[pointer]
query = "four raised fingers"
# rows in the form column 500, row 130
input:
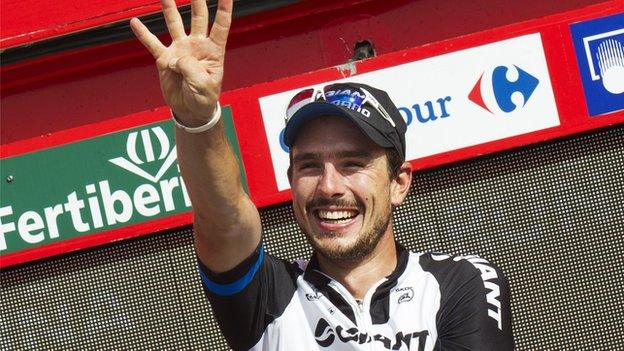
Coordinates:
column 199, row 25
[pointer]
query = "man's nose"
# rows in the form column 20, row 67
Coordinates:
column 331, row 183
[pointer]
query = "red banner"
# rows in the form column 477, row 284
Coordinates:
column 462, row 98
column 465, row 97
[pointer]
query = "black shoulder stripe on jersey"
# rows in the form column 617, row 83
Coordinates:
column 321, row 282
column 380, row 301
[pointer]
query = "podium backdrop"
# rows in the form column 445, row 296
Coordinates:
column 550, row 215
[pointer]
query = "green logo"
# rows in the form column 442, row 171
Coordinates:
column 95, row 185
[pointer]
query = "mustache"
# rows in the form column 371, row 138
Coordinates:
column 325, row 202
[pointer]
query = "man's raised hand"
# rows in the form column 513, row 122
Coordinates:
column 191, row 68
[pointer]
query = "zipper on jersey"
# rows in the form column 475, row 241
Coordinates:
column 361, row 308
column 360, row 304
column 363, row 317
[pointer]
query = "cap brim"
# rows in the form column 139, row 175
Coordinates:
column 322, row 108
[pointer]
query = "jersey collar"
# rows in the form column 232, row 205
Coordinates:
column 380, row 302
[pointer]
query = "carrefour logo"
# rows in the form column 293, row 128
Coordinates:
column 167, row 154
column 504, row 89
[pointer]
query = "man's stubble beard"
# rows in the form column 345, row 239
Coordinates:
column 362, row 248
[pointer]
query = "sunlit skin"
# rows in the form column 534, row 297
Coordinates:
column 338, row 171
column 356, row 252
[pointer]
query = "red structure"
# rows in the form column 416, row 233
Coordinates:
column 73, row 71
column 53, row 92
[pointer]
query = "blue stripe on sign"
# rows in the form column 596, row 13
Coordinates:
column 237, row 286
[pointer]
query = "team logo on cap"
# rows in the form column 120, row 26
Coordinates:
column 501, row 89
column 351, row 99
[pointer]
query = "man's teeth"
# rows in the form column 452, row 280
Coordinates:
column 337, row 215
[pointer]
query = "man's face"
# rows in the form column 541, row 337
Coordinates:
column 342, row 193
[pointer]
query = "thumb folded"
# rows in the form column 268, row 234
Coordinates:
column 192, row 71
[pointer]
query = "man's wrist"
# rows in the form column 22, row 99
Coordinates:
column 216, row 115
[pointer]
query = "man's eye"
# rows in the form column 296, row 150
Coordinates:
column 353, row 164
column 308, row 165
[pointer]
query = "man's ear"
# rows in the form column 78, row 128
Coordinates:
column 401, row 184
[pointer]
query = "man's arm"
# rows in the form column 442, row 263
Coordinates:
column 226, row 222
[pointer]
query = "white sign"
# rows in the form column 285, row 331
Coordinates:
column 452, row 101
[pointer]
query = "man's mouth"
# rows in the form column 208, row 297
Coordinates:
column 338, row 216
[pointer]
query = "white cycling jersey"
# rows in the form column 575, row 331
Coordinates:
column 430, row 302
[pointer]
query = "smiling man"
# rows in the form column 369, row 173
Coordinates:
column 361, row 290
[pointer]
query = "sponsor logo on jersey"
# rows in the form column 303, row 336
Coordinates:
column 489, row 276
column 406, row 294
column 496, row 91
column 326, row 335
column 313, row 297
column 599, row 48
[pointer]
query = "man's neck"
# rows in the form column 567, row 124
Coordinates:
column 358, row 277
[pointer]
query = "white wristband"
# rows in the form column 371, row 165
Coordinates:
column 213, row 120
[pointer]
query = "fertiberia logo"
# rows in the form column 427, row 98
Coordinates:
column 90, row 186
column 135, row 161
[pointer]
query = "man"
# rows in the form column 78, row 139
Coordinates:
column 361, row 290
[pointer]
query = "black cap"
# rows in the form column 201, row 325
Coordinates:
column 342, row 100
